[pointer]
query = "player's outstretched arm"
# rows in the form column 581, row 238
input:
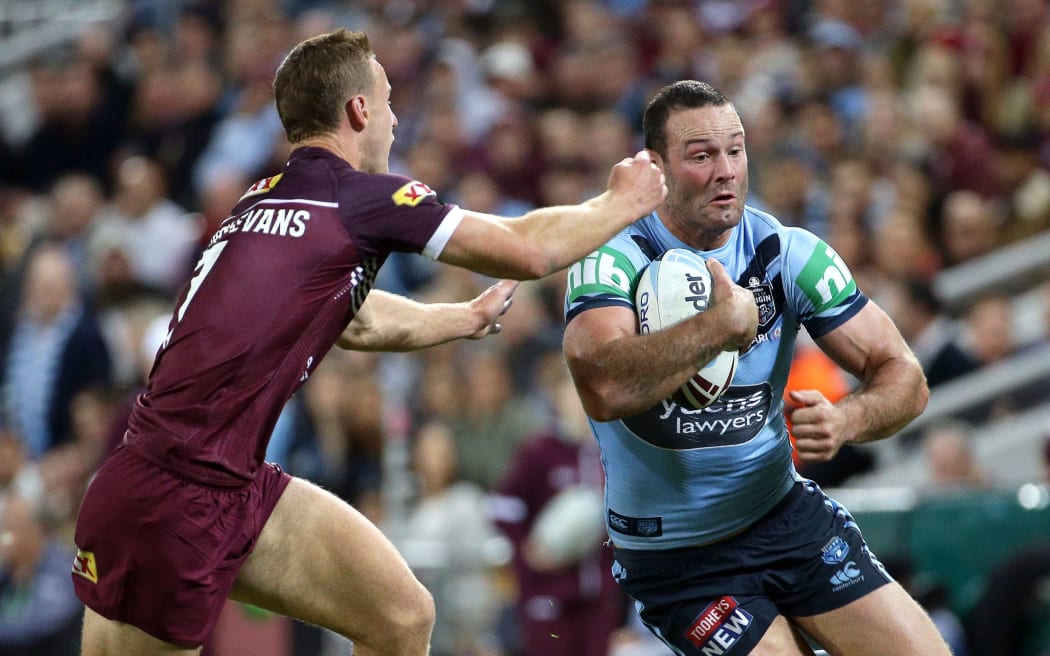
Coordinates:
column 892, row 392
column 551, row 238
column 388, row 322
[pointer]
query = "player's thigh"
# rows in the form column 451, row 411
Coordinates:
column 782, row 639
column 885, row 622
column 321, row 561
column 105, row 637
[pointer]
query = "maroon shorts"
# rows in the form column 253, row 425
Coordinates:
column 162, row 552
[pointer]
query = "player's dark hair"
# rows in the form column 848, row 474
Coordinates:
column 316, row 79
column 684, row 94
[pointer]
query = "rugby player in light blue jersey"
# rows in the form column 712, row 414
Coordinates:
column 723, row 546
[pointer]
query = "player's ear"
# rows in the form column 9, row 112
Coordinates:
column 357, row 112
column 657, row 159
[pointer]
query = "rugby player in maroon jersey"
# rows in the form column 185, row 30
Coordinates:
column 186, row 513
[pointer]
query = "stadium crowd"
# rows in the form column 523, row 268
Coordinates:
column 913, row 136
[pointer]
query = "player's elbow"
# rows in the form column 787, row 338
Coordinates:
column 602, row 404
column 921, row 397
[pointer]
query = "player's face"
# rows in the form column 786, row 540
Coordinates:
column 381, row 124
column 706, row 172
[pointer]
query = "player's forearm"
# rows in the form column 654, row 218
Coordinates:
column 566, row 234
column 539, row 243
column 388, row 322
column 626, row 376
column 894, row 395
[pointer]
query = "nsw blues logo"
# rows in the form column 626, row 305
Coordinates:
column 763, row 292
column 835, row 551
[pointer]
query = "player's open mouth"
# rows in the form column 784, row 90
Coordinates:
column 723, row 199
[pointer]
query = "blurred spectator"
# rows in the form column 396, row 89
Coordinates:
column 987, row 338
column 248, row 139
column 969, row 228
column 174, row 112
column 77, row 203
column 901, row 249
column 18, row 474
column 1025, row 185
column 988, row 327
column 791, row 189
column 155, row 237
column 55, row 350
column 331, row 432
column 564, row 608
column 452, row 547
column 493, row 419
column 951, row 461
column 931, row 333
column 80, row 126
column 39, row 614
column 958, row 152
column 836, row 58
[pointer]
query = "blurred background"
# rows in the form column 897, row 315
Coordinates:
column 911, row 135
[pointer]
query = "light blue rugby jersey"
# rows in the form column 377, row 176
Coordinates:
column 678, row 477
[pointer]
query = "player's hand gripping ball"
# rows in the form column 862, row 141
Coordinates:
column 674, row 287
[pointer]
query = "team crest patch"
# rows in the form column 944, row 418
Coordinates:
column 719, row 626
column 835, row 551
column 263, row 186
column 84, row 565
column 412, row 194
column 763, row 292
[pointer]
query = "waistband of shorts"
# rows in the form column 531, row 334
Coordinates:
column 641, row 555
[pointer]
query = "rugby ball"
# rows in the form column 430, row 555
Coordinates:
column 570, row 525
column 674, row 287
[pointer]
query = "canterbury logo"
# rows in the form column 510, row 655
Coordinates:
column 847, row 574
column 84, row 565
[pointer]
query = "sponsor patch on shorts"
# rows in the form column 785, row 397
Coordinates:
column 84, row 565
column 719, row 626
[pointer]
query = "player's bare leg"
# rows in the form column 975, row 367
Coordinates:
column 886, row 622
column 323, row 562
column 782, row 639
column 104, row 637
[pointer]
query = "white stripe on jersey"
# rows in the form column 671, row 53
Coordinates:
column 443, row 233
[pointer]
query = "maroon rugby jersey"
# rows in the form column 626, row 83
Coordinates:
column 274, row 289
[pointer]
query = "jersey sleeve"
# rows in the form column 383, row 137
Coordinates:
column 608, row 276
column 388, row 212
column 819, row 285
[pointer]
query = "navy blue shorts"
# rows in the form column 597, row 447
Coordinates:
column 805, row 557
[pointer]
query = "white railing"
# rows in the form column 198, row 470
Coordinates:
column 31, row 27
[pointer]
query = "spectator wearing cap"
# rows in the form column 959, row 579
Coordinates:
column 837, row 46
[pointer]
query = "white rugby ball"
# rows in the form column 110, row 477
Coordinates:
column 570, row 525
column 676, row 286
